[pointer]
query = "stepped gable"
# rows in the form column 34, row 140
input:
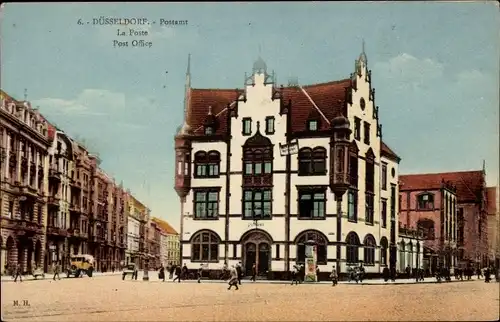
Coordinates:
column 329, row 97
column 469, row 183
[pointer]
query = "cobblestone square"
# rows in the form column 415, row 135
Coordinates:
column 108, row 298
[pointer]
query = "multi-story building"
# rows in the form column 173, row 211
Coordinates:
column 117, row 231
column 492, row 195
column 429, row 209
column 469, row 205
column 24, row 143
column 154, row 240
column 258, row 171
column 169, row 243
column 138, row 216
column 59, row 198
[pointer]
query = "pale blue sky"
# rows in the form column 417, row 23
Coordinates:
column 435, row 70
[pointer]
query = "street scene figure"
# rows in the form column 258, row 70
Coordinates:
column 18, row 273
column 295, row 275
column 254, row 272
column 239, row 271
column 185, row 272
column 161, row 273
column 178, row 273
column 199, row 273
column 233, row 281
column 57, row 270
column 333, row 276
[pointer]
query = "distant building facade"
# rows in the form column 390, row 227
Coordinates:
column 470, row 207
column 429, row 208
column 492, row 195
column 169, row 243
column 138, row 225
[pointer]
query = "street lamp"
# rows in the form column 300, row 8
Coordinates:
column 339, row 177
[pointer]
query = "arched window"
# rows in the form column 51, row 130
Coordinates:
column 425, row 201
column 402, row 264
column 321, row 246
column 352, row 250
column 207, row 165
column 383, row 251
column 312, row 161
column 205, row 247
column 369, row 250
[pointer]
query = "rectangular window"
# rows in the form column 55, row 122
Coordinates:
column 270, row 125
column 278, row 252
column 248, row 168
column 235, row 250
column 352, row 200
column 11, row 209
column 384, row 214
column 268, row 167
column 366, row 130
column 370, row 176
column 247, row 126
column 312, row 125
column 257, row 204
column 312, row 204
column 384, row 176
column 357, row 128
column 206, row 204
column 369, row 208
column 393, row 203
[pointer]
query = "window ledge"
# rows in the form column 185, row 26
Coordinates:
column 366, row 264
column 311, row 218
column 204, row 261
column 260, row 219
column 353, row 220
column 206, row 177
column 369, row 223
column 314, row 174
column 195, row 218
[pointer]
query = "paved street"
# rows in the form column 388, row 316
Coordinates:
column 108, row 298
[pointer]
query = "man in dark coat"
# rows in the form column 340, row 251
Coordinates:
column 184, row 272
column 178, row 273
column 18, row 273
column 386, row 274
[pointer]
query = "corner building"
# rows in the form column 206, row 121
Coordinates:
column 243, row 199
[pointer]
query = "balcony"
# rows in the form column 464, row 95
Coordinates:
column 54, row 174
column 22, row 226
column 76, row 183
column 74, row 232
column 28, row 191
column 75, row 208
column 53, row 201
column 411, row 233
column 57, row 231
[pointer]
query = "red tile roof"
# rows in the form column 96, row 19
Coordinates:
column 329, row 98
column 387, row 151
column 491, row 200
column 165, row 226
column 201, row 99
column 468, row 183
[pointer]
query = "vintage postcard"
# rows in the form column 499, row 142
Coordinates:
column 249, row 161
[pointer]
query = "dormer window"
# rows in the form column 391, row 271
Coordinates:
column 209, row 130
column 425, row 201
column 312, row 125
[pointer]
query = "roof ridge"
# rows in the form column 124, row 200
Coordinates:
column 440, row 173
column 332, row 82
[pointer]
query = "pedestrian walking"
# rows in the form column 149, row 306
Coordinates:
column 200, row 271
column 487, row 277
column 479, row 273
column 317, row 273
column 161, row 273
column 17, row 273
column 386, row 274
column 57, row 270
column 254, row 272
column 295, row 275
column 184, row 272
column 233, row 281
column 178, row 273
column 171, row 271
column 239, row 271
column 334, row 276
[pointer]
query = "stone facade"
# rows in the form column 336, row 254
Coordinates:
column 138, row 214
column 24, row 143
column 169, row 243
column 493, row 225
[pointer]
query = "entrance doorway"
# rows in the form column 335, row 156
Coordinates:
column 256, row 250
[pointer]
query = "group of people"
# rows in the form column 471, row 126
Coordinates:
column 181, row 273
column 16, row 270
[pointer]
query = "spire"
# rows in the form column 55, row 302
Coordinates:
column 210, row 110
column 258, row 126
column 362, row 56
column 186, row 128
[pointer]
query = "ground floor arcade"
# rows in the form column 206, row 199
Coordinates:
column 25, row 250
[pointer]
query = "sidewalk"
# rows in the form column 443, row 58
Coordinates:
column 8, row 278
